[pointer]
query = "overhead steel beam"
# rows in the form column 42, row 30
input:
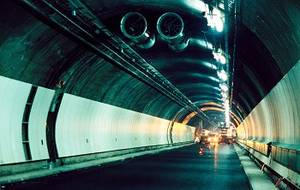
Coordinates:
column 77, row 20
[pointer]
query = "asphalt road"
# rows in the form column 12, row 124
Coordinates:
column 218, row 168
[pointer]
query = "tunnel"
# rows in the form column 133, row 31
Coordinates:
column 151, row 94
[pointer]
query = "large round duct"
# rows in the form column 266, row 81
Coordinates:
column 170, row 27
column 134, row 26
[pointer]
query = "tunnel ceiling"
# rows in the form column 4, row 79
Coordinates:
column 34, row 52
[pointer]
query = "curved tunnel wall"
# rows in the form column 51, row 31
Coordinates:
column 271, row 132
column 278, row 28
column 12, row 104
column 33, row 52
column 276, row 117
column 37, row 123
column 101, row 127
column 83, row 126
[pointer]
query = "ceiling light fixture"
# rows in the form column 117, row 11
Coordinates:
column 224, row 87
column 222, row 75
column 218, row 56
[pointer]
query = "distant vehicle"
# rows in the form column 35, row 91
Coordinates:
column 227, row 139
column 211, row 138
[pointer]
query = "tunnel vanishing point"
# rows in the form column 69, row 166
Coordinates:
column 107, row 94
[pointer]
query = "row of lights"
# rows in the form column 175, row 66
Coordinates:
column 215, row 17
column 215, row 20
column 220, row 57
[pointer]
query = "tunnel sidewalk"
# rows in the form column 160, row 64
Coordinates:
column 257, row 178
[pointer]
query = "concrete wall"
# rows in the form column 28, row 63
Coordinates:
column 276, row 118
column 83, row 126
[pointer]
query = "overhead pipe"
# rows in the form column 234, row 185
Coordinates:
column 135, row 27
column 170, row 27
